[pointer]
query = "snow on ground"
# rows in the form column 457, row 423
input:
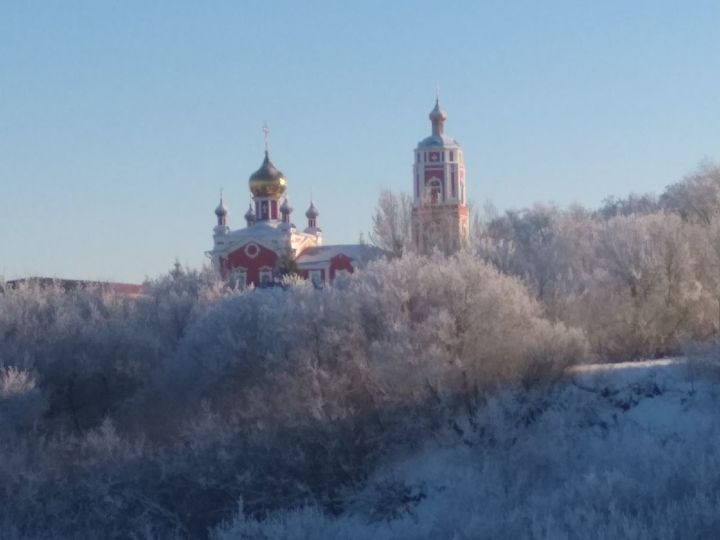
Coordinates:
column 658, row 395
column 621, row 451
column 633, row 368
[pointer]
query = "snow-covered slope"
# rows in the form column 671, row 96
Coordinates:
column 659, row 396
column 619, row 451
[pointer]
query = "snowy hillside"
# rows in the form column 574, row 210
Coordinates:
column 620, row 451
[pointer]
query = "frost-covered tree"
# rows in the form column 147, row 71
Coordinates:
column 544, row 246
column 636, row 282
column 633, row 204
column 644, row 297
column 697, row 197
column 391, row 220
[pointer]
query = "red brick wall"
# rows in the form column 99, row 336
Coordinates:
column 338, row 263
column 252, row 264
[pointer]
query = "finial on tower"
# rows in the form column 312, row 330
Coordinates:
column 221, row 211
column 437, row 117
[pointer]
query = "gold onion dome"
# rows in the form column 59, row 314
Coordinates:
column 267, row 181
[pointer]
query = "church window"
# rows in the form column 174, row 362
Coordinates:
column 434, row 191
column 452, row 155
column 265, row 275
column 238, row 278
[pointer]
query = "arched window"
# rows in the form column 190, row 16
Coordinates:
column 434, row 191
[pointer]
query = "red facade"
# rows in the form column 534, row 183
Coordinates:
column 338, row 263
column 253, row 259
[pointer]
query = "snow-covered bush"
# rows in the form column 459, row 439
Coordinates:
column 156, row 416
column 407, row 331
column 21, row 402
column 638, row 285
column 565, row 464
column 136, row 410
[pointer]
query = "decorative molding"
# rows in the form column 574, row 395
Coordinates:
column 252, row 250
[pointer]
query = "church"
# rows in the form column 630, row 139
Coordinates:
column 270, row 244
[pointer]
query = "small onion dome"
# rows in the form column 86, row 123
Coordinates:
column 250, row 214
column 312, row 212
column 267, row 181
column 437, row 113
column 286, row 207
column 221, row 210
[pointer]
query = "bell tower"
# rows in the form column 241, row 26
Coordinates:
column 440, row 216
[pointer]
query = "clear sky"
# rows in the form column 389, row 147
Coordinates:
column 120, row 121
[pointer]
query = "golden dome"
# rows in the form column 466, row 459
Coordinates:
column 267, row 181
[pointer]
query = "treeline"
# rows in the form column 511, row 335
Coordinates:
column 160, row 414
column 639, row 276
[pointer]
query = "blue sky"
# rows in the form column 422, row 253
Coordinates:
column 120, row 121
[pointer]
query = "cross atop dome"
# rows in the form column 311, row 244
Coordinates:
column 266, row 133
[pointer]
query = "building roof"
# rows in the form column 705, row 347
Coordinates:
column 128, row 289
column 438, row 140
column 360, row 253
column 265, row 228
column 272, row 234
